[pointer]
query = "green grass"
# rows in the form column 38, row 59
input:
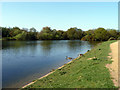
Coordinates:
column 82, row 73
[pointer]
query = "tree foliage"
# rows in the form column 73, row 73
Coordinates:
column 99, row 34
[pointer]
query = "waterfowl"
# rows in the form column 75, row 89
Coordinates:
column 68, row 57
column 81, row 55
column 88, row 50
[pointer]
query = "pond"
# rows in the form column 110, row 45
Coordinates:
column 25, row 61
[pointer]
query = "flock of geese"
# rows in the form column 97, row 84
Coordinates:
column 73, row 58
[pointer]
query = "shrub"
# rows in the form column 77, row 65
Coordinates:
column 118, row 38
column 111, row 38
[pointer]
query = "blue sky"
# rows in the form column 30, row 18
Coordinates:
column 60, row 15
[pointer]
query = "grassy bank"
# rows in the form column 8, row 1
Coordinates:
column 81, row 72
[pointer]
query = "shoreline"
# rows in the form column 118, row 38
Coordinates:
column 49, row 73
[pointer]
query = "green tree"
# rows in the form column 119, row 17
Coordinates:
column 15, row 31
column 5, row 31
column 101, row 34
column 32, row 34
column 64, row 35
column 46, row 30
column 70, row 33
column 74, row 33
column 46, row 34
column 21, row 36
column 113, row 33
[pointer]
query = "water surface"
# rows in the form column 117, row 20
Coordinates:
column 24, row 61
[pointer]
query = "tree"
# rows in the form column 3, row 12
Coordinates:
column 15, row 31
column 101, row 34
column 64, row 35
column 74, row 33
column 46, row 30
column 5, row 32
column 113, row 33
column 46, row 34
column 21, row 36
column 32, row 34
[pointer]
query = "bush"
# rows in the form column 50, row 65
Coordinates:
column 111, row 38
column 118, row 38
column 83, row 38
column 21, row 36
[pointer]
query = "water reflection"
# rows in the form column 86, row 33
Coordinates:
column 46, row 47
column 74, row 46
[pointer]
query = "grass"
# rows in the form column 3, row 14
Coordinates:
column 82, row 73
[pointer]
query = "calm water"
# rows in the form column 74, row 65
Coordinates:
column 24, row 61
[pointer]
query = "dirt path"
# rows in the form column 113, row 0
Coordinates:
column 114, row 66
column 119, row 63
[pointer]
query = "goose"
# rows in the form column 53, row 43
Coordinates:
column 68, row 57
column 81, row 55
column 88, row 50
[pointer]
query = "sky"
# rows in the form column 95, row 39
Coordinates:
column 60, row 15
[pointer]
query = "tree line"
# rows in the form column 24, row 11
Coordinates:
column 99, row 34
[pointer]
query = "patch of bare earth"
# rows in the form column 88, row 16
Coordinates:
column 113, row 68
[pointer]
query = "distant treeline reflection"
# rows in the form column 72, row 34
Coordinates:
column 99, row 34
